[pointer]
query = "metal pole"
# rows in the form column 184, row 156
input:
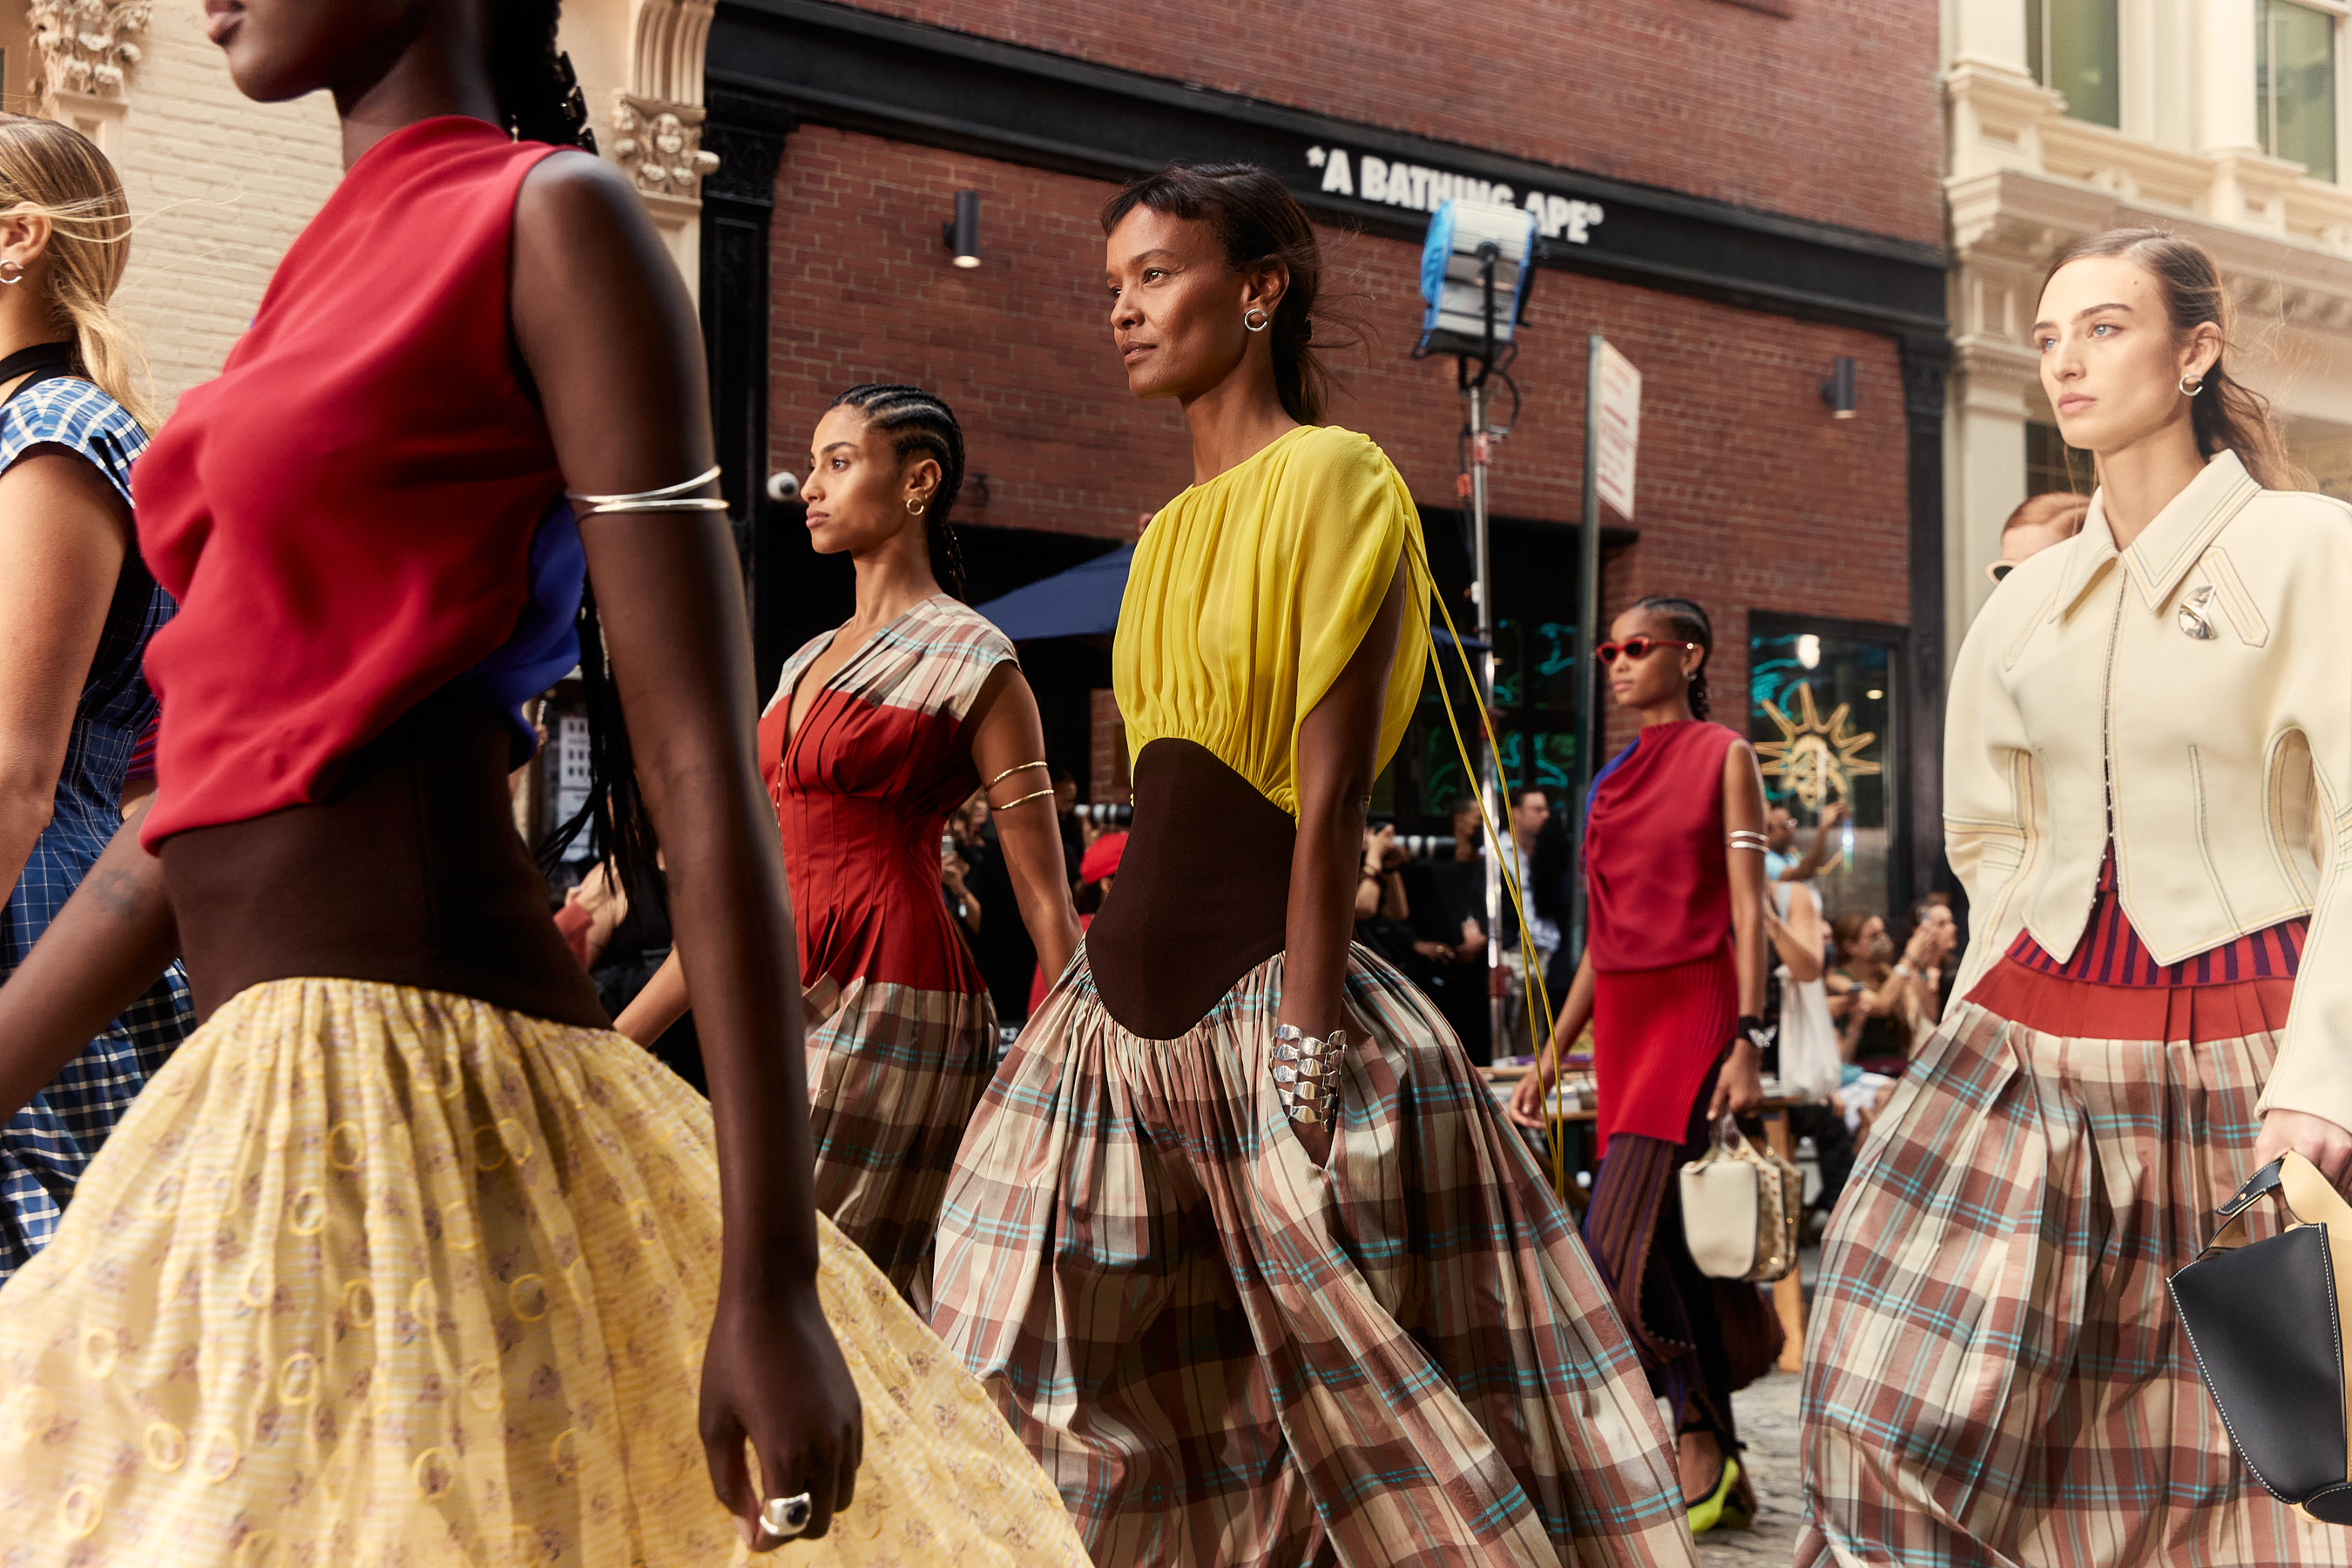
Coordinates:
column 1490, row 785
column 1587, row 631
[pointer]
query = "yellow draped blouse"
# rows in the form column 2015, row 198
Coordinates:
column 1249, row 593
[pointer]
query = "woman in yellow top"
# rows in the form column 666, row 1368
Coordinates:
column 1238, row 1234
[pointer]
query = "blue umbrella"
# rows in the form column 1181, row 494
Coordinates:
column 1084, row 602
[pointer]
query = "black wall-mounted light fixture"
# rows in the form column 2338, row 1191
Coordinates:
column 962, row 233
column 1838, row 390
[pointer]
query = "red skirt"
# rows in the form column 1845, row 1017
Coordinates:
column 1656, row 1034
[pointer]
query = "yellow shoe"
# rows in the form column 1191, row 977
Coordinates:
column 1718, row 1508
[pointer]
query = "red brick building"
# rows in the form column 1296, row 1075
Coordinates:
column 1740, row 193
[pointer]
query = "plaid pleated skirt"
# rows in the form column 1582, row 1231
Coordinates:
column 1994, row 1374
column 894, row 1074
column 1223, row 1353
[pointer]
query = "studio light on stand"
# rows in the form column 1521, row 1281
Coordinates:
column 962, row 233
column 1475, row 270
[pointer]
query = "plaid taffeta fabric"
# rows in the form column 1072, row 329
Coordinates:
column 894, row 1074
column 46, row 1145
column 1994, row 1374
column 1223, row 1354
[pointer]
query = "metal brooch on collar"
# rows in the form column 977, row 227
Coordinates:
column 2192, row 620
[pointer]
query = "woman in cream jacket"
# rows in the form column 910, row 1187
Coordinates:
column 2148, row 793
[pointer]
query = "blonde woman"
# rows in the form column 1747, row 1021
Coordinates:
column 77, row 607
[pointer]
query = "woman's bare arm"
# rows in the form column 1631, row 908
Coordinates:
column 1527, row 1107
column 1798, row 939
column 1739, row 1086
column 662, row 1003
column 1005, row 732
column 615, row 350
column 1336, row 745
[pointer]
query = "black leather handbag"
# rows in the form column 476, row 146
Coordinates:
column 2266, row 1323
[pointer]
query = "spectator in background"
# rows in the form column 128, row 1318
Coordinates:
column 1445, row 901
column 1780, row 837
column 2039, row 522
column 1096, row 869
column 1886, row 1010
column 1530, row 811
column 1074, row 831
column 963, row 856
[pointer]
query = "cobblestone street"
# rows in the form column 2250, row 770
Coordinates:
column 1768, row 1422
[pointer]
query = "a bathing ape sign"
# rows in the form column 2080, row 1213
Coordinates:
column 1369, row 177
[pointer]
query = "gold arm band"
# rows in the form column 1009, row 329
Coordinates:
column 669, row 498
column 1743, row 838
column 1008, row 772
column 1024, row 800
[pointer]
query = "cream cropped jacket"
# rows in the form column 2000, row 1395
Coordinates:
column 2193, row 696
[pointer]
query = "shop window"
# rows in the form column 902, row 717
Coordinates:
column 1821, row 715
column 2295, row 84
column 2072, row 47
column 2052, row 465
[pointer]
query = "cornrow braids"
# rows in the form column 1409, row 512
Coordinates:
column 538, row 97
column 920, row 421
column 1686, row 620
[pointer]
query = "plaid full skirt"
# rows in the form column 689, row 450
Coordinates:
column 1994, row 1374
column 1226, row 1354
column 380, row 1278
column 894, row 1074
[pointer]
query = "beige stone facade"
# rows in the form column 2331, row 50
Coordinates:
column 220, row 185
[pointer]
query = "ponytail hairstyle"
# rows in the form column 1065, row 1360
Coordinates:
column 2228, row 412
column 917, row 421
column 53, row 171
column 1258, row 223
column 1687, row 621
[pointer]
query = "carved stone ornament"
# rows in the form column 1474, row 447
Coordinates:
column 88, row 47
column 660, row 144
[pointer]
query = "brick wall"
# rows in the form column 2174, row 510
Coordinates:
column 1748, row 494
column 220, row 186
column 1830, row 112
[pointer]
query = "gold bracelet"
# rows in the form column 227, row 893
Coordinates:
column 669, row 498
column 1034, row 794
column 1748, row 838
column 1011, row 771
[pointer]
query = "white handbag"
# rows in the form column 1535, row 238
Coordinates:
column 1741, row 1208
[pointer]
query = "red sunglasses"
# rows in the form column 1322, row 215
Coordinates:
column 1635, row 648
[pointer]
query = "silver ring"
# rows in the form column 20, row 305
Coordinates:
column 787, row 1516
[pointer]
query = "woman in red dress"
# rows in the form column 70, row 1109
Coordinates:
column 877, row 732
column 1673, row 983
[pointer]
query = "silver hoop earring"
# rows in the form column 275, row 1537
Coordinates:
column 1264, row 321
column 12, row 279
column 914, row 506
column 2188, row 391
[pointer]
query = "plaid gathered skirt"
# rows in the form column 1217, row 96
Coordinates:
column 894, row 1074
column 1994, row 1374
column 1223, row 1353
column 373, row 1276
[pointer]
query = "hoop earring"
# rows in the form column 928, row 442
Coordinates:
column 12, row 279
column 914, row 506
column 2188, row 391
column 1263, row 320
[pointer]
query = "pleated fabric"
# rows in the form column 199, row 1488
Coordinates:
column 380, row 1278
column 1994, row 1374
column 1223, row 1353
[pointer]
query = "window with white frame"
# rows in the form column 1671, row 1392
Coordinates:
column 2072, row 46
column 2294, row 83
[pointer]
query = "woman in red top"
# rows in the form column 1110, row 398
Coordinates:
column 1673, row 983
column 404, row 1256
column 877, row 732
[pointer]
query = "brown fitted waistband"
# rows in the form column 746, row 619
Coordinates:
column 412, row 875
column 1202, row 895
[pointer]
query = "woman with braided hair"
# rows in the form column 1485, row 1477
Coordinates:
column 405, row 1257
column 1672, row 982
column 878, row 731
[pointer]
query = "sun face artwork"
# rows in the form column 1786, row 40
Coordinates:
column 1815, row 759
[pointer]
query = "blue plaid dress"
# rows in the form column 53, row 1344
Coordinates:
column 45, row 1147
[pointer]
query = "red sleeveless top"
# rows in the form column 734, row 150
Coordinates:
column 346, row 514
column 1657, row 886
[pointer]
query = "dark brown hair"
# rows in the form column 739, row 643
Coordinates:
column 2051, row 508
column 1687, row 621
column 1258, row 223
column 2227, row 413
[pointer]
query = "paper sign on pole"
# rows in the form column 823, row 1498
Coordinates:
column 1619, row 430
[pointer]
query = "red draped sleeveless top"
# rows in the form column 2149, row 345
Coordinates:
column 346, row 514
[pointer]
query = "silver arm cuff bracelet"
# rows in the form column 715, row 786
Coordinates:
column 1307, row 1071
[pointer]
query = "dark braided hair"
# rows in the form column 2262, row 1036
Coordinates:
column 1687, row 621
column 918, row 421
column 540, row 100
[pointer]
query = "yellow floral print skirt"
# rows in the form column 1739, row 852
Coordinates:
column 379, row 1277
